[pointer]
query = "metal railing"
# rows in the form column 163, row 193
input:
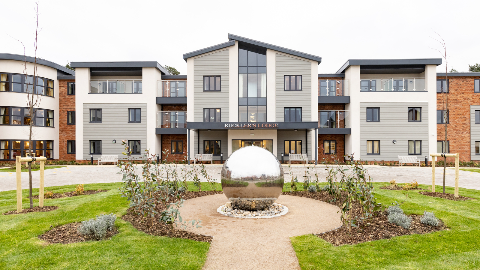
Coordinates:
column 392, row 85
column 172, row 119
column 332, row 119
column 168, row 88
column 329, row 88
column 116, row 87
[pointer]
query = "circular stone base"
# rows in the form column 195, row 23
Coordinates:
column 274, row 210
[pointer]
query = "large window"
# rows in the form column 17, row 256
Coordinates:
column 373, row 147
column 71, row 88
column 212, row 83
column 252, row 84
column 328, row 88
column 328, row 119
column 116, row 87
column 95, row 115
column 293, row 114
column 293, row 147
column 4, row 82
column 476, row 86
column 368, row 85
column 477, row 148
column 70, row 147
column 95, row 147
column 134, row 115
column 177, row 147
column 10, row 149
column 4, row 116
column 293, row 82
column 414, row 114
column 442, row 86
column 71, row 118
column 212, row 115
column 329, row 147
column 20, row 83
column 212, row 147
column 414, row 147
column 373, row 114
column 441, row 148
column 266, row 144
column 442, row 116
column 134, row 147
column 17, row 116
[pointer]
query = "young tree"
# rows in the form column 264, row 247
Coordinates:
column 172, row 70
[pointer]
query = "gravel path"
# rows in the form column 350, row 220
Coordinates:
column 84, row 174
column 258, row 243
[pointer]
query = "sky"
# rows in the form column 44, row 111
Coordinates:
column 162, row 31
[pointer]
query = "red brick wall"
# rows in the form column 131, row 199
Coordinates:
column 174, row 107
column 340, row 141
column 167, row 147
column 66, row 132
column 461, row 95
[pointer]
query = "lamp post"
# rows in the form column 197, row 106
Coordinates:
column 91, row 159
column 221, row 158
column 282, row 158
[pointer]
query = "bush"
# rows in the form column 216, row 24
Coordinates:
column 393, row 182
column 400, row 219
column 79, row 190
column 97, row 228
column 429, row 218
column 394, row 210
column 312, row 189
column 48, row 195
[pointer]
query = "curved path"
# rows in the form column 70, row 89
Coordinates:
column 258, row 243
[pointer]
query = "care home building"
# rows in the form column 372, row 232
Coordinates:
column 246, row 92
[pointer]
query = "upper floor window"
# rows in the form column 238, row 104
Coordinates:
column 476, row 89
column 212, row 115
column 442, row 116
column 368, row 85
column 19, row 116
column 328, row 88
column 442, row 86
column 477, row 117
column 414, row 147
column 293, row 147
column 373, row 114
column 211, row 83
column 71, row 118
column 116, row 87
column 70, row 88
column 373, row 147
column 20, row 83
column 293, row 114
column 414, row 114
column 293, row 82
column 134, row 147
column 95, row 115
column 134, row 115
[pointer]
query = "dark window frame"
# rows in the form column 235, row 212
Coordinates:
column 96, row 110
column 371, row 87
column 476, row 86
column 442, row 84
column 215, row 83
column 373, row 148
column 215, row 147
column 414, row 147
column 23, row 85
column 442, row 112
column 97, row 147
column 290, row 81
column 290, row 147
column 477, row 116
column 329, row 147
column 72, row 117
column 33, row 118
column 443, row 143
column 139, row 110
column 24, row 150
column 477, row 152
column 73, row 147
column 209, row 116
column 71, row 88
column 295, row 114
column 136, row 149
column 372, row 110
column 176, row 142
column 414, row 108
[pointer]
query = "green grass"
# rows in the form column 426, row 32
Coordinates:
column 455, row 248
column 26, row 170
column 471, row 170
column 20, row 247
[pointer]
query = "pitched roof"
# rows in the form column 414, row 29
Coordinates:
column 40, row 61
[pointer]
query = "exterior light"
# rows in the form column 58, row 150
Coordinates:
column 394, row 141
column 295, row 130
column 114, row 141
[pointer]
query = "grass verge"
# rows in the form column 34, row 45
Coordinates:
column 26, row 170
column 470, row 170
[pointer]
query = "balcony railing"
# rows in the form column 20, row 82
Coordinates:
column 332, row 88
column 116, row 87
column 332, row 119
column 173, row 119
column 392, row 85
column 171, row 88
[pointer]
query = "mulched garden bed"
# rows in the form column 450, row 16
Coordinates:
column 399, row 188
column 447, row 196
column 34, row 209
column 68, row 233
column 71, row 194
column 153, row 227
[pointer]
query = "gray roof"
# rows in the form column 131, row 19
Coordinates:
column 174, row 77
column 459, row 74
column 389, row 62
column 131, row 64
column 43, row 62
column 331, row 75
column 275, row 48
column 208, row 49
column 65, row 77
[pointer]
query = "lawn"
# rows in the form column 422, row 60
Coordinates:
column 456, row 248
column 471, row 170
column 26, row 170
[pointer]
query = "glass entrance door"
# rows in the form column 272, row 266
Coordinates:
column 267, row 144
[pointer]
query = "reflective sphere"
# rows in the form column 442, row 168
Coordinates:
column 252, row 178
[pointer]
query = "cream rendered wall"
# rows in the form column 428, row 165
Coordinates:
column 20, row 100
column 431, row 87
column 191, row 102
column 314, row 106
column 352, row 141
column 233, row 83
column 150, row 76
column 247, row 135
column 82, row 86
column 271, row 93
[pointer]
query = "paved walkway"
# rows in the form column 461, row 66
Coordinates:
column 84, row 174
column 258, row 243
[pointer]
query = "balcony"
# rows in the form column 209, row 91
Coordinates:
column 333, row 91
column 171, row 92
column 393, row 85
column 333, row 122
column 174, row 122
column 116, row 87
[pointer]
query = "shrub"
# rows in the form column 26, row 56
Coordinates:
column 312, row 189
column 429, row 218
column 414, row 184
column 48, row 195
column 96, row 228
column 394, row 209
column 400, row 219
column 393, row 182
column 79, row 190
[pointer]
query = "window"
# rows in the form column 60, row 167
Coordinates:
column 373, row 114
column 373, row 147
column 27, row 117
column 414, row 147
column 50, row 118
column 116, row 87
column 4, row 116
column 95, row 115
column 70, row 147
column 71, row 118
column 477, row 148
column 442, row 116
column 328, row 119
column 211, row 115
column 134, row 147
column 328, row 87
column 50, row 88
column 293, row 114
column 10, row 149
column 96, row 147
column 441, row 147
column 134, row 115
column 442, row 86
column 476, row 89
column 329, row 147
column 212, row 147
column 177, row 147
column 71, row 88
column 21, row 117
column 293, row 82
column 4, row 84
column 368, row 85
column 293, row 147
column 211, row 83
column 39, row 118
column 414, row 114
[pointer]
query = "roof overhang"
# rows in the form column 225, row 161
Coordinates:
column 133, row 68
column 387, row 66
column 460, row 74
column 208, row 49
column 43, row 62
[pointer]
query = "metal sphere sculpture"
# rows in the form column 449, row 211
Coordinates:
column 252, row 178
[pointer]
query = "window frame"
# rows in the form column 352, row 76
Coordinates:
column 215, row 83
column 414, row 108
column 372, row 109
column 290, row 147
column 290, row 82
column 209, row 115
column 135, row 115
column 447, row 146
column 330, row 147
column 442, row 118
column 96, row 110
column 90, row 147
column 176, row 143
column 137, row 147
column 73, row 147
column 295, row 113
column 477, row 152
column 414, row 147
column 70, row 88
column 372, row 85
column 210, row 142
column 442, row 82
column 373, row 148
column 476, row 85
column 72, row 117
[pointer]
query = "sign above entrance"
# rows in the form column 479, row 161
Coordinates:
column 252, row 125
